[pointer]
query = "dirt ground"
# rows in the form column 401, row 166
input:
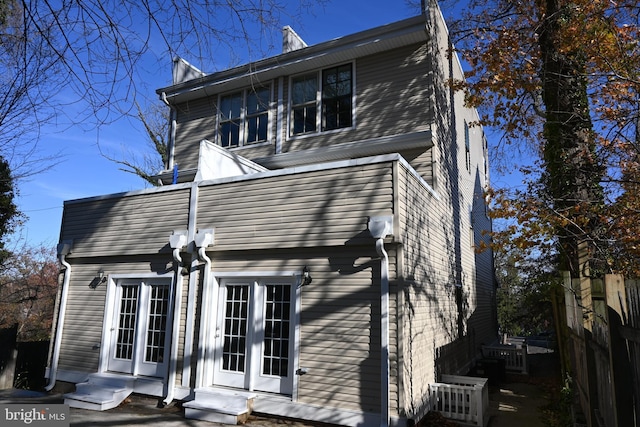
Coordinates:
column 515, row 400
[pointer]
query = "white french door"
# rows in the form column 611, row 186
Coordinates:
column 254, row 335
column 139, row 343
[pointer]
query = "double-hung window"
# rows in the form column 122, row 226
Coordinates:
column 322, row 101
column 243, row 117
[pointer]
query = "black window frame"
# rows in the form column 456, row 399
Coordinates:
column 330, row 109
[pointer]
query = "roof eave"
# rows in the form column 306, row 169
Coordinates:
column 343, row 49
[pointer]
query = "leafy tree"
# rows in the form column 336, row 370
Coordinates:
column 9, row 214
column 559, row 79
column 28, row 287
column 523, row 297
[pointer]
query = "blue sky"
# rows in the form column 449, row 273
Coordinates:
column 83, row 172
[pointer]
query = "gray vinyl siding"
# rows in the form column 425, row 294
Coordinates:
column 82, row 332
column 195, row 121
column 318, row 208
column 339, row 323
column 184, row 307
column 278, row 217
column 439, row 248
column 80, row 347
column 391, row 99
column 277, row 222
column 429, row 320
column 128, row 225
column 393, row 93
column 422, row 162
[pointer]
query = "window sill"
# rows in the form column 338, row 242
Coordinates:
column 316, row 134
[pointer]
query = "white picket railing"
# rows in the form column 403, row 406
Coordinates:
column 515, row 357
column 465, row 399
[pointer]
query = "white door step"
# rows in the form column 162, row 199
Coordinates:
column 219, row 405
column 100, row 392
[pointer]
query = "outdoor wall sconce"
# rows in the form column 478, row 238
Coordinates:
column 100, row 278
column 306, row 276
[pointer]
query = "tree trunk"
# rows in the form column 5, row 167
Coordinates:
column 572, row 173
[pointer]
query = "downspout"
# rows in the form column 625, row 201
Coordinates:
column 64, row 249
column 380, row 227
column 203, row 239
column 177, row 241
column 172, row 131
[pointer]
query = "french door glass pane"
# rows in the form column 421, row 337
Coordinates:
column 158, row 308
column 127, row 322
column 235, row 330
column 275, row 359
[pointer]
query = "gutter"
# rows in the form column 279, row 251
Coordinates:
column 172, row 131
column 177, row 241
column 64, row 249
column 342, row 49
column 380, row 227
column 203, row 239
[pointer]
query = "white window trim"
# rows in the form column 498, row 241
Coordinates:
column 209, row 325
column 319, row 131
column 105, row 343
column 243, row 118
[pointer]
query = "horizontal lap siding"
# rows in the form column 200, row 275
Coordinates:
column 393, row 92
column 340, row 333
column 340, row 319
column 322, row 208
column 430, row 313
column 423, row 163
column 391, row 98
column 182, row 336
column 195, row 122
column 82, row 332
column 129, row 225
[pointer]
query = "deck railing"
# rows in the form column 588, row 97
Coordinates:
column 515, row 357
column 464, row 399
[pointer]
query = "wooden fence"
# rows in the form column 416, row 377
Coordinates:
column 630, row 331
column 603, row 320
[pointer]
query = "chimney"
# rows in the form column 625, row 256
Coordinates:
column 183, row 71
column 291, row 41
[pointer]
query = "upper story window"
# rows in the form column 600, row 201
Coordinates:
column 243, row 117
column 322, row 101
